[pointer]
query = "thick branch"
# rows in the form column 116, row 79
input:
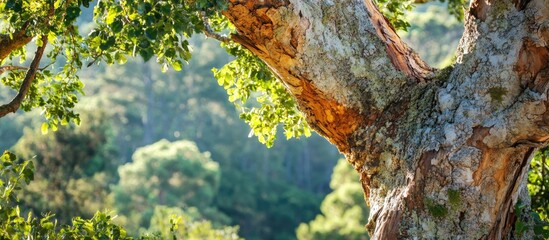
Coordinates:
column 9, row 43
column 345, row 65
column 12, row 106
column 508, row 42
column 469, row 132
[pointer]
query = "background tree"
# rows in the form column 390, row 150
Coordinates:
column 15, row 174
column 172, row 174
column 343, row 211
column 249, row 171
column 297, row 171
column 74, row 164
column 187, row 225
column 434, row 33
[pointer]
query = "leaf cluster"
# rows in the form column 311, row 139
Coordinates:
column 395, row 10
column 122, row 28
column 56, row 86
column 246, row 77
column 538, row 187
column 528, row 220
column 344, row 212
column 15, row 174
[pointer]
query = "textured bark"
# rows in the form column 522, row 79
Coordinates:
column 9, row 43
column 442, row 154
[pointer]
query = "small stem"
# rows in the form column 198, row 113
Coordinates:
column 4, row 69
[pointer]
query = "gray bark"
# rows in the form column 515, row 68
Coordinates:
column 442, row 154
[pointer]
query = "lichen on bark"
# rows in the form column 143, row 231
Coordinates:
column 417, row 136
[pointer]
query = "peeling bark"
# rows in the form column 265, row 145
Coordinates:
column 402, row 57
column 442, row 154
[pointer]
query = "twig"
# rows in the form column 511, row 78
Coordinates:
column 12, row 106
column 209, row 32
column 4, row 69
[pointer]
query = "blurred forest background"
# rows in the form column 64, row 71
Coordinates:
column 153, row 144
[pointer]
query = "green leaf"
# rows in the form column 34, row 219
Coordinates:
column 108, row 43
column 72, row 13
column 151, row 33
column 120, row 58
column 146, row 54
column 28, row 175
column 44, row 128
column 86, row 3
column 177, row 65
column 117, row 25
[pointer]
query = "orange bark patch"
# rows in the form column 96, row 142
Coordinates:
column 416, row 185
column 388, row 225
column 327, row 116
column 478, row 136
column 260, row 32
column 533, row 61
column 476, row 140
column 502, row 171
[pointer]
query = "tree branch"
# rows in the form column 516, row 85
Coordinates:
column 402, row 56
column 344, row 65
column 209, row 32
column 8, row 42
column 12, row 106
column 4, row 69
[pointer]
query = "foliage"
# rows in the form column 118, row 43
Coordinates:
column 183, row 225
column 538, row 183
column 74, row 164
column 54, row 88
column 174, row 174
column 148, row 28
column 395, row 10
column 530, row 221
column 122, row 28
column 248, row 76
column 344, row 212
column 15, row 174
column 434, row 34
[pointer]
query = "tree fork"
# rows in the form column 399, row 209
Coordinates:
column 440, row 153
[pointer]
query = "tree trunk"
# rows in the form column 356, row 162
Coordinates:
column 442, row 154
